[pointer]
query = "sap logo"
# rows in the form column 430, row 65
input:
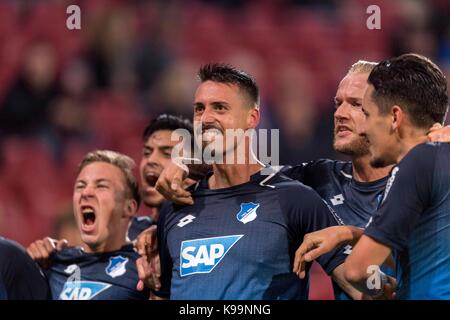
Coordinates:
column 82, row 290
column 116, row 266
column 337, row 200
column 186, row 220
column 203, row 255
column 247, row 212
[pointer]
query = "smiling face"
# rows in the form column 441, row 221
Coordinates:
column 348, row 117
column 102, row 206
column 155, row 157
column 218, row 107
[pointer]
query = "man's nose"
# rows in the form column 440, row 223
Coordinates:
column 342, row 112
column 87, row 191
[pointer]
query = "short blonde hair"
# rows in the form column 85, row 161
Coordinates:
column 121, row 161
column 362, row 66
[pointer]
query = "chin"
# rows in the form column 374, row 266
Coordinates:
column 89, row 240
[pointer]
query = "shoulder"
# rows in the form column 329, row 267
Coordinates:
column 424, row 150
column 293, row 191
column 9, row 248
column 69, row 253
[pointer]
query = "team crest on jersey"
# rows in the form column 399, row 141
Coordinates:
column 203, row 255
column 116, row 266
column 82, row 290
column 247, row 212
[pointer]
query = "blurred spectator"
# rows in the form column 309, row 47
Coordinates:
column 25, row 110
column 65, row 227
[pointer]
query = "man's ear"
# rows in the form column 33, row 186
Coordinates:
column 253, row 118
column 398, row 117
column 131, row 207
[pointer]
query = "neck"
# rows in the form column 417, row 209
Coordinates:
column 364, row 172
column 113, row 243
column 410, row 138
column 228, row 175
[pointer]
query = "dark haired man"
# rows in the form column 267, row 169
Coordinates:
column 406, row 95
column 352, row 188
column 159, row 140
column 238, row 239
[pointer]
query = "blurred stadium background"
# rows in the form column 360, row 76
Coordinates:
column 64, row 93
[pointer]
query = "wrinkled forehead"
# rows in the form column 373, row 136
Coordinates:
column 210, row 91
column 99, row 170
column 353, row 85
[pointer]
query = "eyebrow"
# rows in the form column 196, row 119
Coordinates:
column 214, row 103
column 163, row 148
column 96, row 181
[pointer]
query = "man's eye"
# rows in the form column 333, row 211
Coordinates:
column 79, row 187
column 199, row 108
column 102, row 186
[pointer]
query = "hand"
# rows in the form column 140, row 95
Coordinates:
column 41, row 250
column 149, row 273
column 388, row 291
column 170, row 185
column 316, row 244
column 438, row 133
column 146, row 242
column 148, row 265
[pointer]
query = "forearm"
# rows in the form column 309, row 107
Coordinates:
column 349, row 235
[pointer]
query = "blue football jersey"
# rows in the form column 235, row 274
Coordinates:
column 414, row 220
column 354, row 202
column 137, row 225
column 77, row 275
column 239, row 242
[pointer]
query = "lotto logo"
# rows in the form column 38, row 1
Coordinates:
column 337, row 200
column 186, row 220
column 203, row 255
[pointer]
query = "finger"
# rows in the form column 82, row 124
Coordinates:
column 61, row 244
column 141, row 243
column 436, row 126
column 32, row 251
column 140, row 285
column 156, row 272
column 141, row 268
column 43, row 253
column 49, row 245
column 299, row 256
column 183, row 200
column 315, row 253
column 152, row 247
column 163, row 186
column 181, row 193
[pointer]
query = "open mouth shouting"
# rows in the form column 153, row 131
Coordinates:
column 151, row 178
column 88, row 218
